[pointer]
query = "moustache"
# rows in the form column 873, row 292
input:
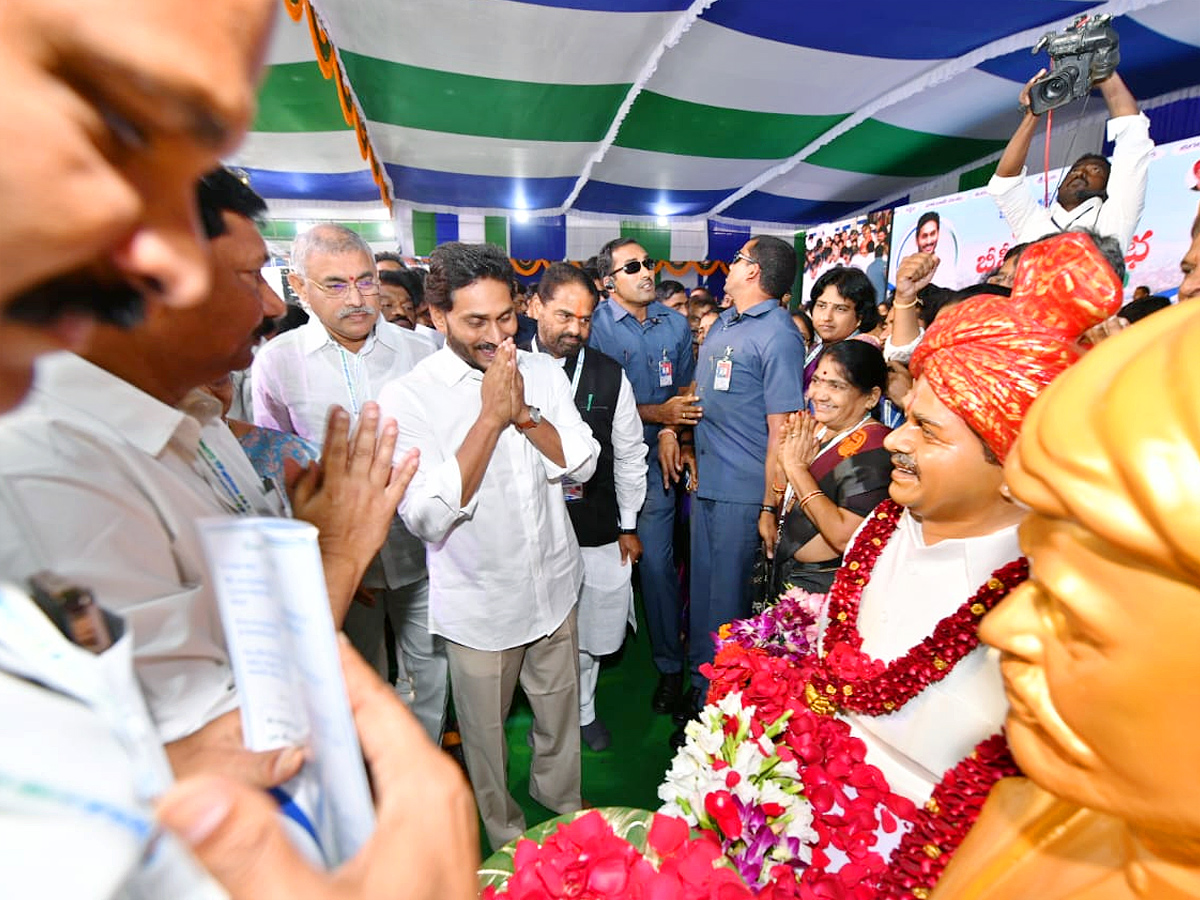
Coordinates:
column 108, row 301
column 905, row 462
column 265, row 328
column 348, row 311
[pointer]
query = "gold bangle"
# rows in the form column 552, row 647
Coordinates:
column 916, row 302
column 669, row 431
column 811, row 495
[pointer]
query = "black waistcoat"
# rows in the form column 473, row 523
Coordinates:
column 596, row 517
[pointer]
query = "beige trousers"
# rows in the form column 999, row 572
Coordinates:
column 483, row 682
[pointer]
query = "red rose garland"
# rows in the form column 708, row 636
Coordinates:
column 943, row 823
column 847, row 679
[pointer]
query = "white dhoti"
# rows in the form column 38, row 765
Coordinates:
column 605, row 609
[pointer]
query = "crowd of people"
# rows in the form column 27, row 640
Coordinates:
column 486, row 473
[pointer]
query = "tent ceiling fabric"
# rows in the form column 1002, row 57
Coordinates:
column 771, row 111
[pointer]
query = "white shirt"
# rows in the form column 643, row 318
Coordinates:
column 1116, row 217
column 903, row 353
column 912, row 588
column 299, row 375
column 504, row 569
column 435, row 337
column 79, row 769
column 101, row 483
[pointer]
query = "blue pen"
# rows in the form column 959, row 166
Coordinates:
column 589, row 406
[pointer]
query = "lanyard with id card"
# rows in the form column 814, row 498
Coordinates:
column 665, row 372
column 573, row 490
column 724, row 371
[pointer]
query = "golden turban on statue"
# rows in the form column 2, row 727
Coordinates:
column 1121, row 456
column 988, row 358
column 1098, row 647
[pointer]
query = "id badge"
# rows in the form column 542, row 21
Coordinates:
column 723, row 375
column 572, row 490
column 664, row 374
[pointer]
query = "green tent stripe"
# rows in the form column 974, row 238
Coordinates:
column 667, row 125
column 424, row 229
column 413, row 97
column 976, row 178
column 378, row 232
column 495, row 231
column 877, row 148
column 370, row 229
column 297, row 97
column 655, row 239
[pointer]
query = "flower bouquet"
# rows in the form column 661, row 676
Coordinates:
column 612, row 853
column 788, row 628
column 730, row 779
column 786, row 791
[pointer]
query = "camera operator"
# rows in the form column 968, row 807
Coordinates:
column 1095, row 194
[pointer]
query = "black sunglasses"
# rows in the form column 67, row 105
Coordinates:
column 635, row 265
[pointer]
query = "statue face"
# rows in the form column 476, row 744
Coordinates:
column 1099, row 654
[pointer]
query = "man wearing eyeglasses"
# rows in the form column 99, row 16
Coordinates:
column 344, row 355
column 749, row 377
column 653, row 344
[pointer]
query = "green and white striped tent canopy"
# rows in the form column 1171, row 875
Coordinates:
column 545, row 124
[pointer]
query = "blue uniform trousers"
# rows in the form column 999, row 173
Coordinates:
column 724, row 541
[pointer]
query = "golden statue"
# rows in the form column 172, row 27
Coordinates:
column 1100, row 648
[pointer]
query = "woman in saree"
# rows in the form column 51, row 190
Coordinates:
column 834, row 466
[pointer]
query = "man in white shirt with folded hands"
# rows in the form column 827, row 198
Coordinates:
column 497, row 429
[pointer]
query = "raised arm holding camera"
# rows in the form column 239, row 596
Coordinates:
column 1094, row 193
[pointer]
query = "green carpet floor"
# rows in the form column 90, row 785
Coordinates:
column 628, row 772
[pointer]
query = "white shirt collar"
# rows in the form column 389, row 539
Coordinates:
column 145, row 422
column 450, row 368
column 314, row 336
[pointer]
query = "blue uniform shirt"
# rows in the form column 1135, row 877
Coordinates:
column 642, row 347
column 766, row 377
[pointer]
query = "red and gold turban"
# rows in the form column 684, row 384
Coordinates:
column 988, row 358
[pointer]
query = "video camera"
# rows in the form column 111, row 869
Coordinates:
column 1084, row 53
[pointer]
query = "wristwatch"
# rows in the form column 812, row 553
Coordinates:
column 535, row 419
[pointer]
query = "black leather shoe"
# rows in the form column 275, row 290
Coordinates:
column 667, row 694
column 678, row 738
column 596, row 735
column 690, row 703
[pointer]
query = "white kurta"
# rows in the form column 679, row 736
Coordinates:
column 606, row 597
column 912, row 588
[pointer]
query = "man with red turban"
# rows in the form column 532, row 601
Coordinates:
column 898, row 657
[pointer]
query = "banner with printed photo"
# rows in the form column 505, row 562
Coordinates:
column 862, row 242
column 971, row 238
column 1164, row 233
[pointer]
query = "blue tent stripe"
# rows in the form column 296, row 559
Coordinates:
column 344, row 186
column 538, row 238
column 477, row 191
column 934, row 29
column 763, row 207
column 604, row 197
column 1172, row 122
column 724, row 240
column 445, row 227
column 1151, row 63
